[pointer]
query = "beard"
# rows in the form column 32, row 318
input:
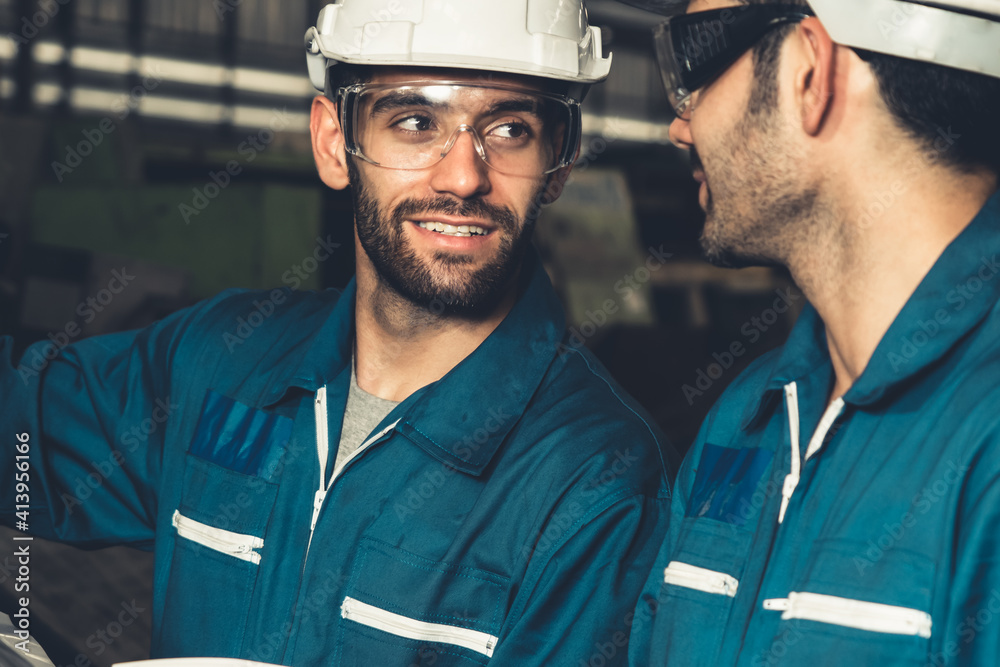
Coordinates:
column 445, row 284
column 755, row 209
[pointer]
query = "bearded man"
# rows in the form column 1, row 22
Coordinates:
column 414, row 470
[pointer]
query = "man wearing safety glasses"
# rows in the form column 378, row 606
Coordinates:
column 841, row 503
column 413, row 471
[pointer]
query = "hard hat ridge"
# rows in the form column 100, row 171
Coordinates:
column 961, row 34
column 544, row 38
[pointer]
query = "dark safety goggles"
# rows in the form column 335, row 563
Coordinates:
column 693, row 49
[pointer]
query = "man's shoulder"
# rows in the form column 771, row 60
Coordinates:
column 737, row 402
column 241, row 340
column 749, row 386
column 578, row 384
column 586, row 419
column 237, row 317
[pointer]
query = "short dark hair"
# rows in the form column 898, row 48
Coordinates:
column 926, row 100
column 342, row 75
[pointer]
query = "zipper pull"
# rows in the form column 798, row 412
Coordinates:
column 787, row 491
column 776, row 604
column 317, row 506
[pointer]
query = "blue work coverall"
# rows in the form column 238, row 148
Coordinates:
column 863, row 533
column 507, row 514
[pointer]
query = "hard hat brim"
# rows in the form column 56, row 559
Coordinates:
column 662, row 7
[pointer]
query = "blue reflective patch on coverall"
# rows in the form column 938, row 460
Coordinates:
column 889, row 552
column 515, row 506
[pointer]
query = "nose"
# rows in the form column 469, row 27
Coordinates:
column 461, row 172
column 680, row 133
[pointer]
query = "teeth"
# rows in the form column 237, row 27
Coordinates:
column 452, row 230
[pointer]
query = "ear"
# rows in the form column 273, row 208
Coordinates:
column 556, row 181
column 814, row 79
column 328, row 143
column 554, row 185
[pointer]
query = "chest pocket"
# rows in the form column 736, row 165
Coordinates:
column 857, row 605
column 699, row 586
column 404, row 610
column 220, row 534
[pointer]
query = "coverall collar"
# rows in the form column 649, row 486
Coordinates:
column 463, row 418
column 954, row 297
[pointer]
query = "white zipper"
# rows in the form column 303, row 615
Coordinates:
column 233, row 544
column 404, row 626
column 323, row 454
column 792, row 478
column 858, row 614
column 700, row 579
column 833, row 411
column 825, row 424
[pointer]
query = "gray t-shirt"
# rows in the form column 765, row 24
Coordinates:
column 363, row 413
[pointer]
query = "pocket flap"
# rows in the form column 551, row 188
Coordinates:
column 429, row 591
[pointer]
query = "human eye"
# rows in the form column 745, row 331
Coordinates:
column 512, row 131
column 413, row 123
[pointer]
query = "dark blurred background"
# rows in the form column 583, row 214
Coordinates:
column 168, row 141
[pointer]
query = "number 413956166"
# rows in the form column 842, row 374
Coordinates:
column 22, row 478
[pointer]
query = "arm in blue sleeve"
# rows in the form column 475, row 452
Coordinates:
column 579, row 607
column 648, row 606
column 972, row 624
column 94, row 415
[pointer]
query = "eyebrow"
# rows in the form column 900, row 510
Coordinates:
column 402, row 99
column 522, row 105
column 398, row 99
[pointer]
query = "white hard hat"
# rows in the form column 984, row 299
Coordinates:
column 546, row 38
column 963, row 34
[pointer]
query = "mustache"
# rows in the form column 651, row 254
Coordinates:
column 696, row 164
column 503, row 217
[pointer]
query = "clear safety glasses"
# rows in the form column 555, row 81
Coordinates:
column 693, row 49
column 414, row 125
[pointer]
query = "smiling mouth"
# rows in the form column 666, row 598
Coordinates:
column 454, row 230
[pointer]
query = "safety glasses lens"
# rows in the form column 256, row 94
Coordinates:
column 413, row 126
column 693, row 49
